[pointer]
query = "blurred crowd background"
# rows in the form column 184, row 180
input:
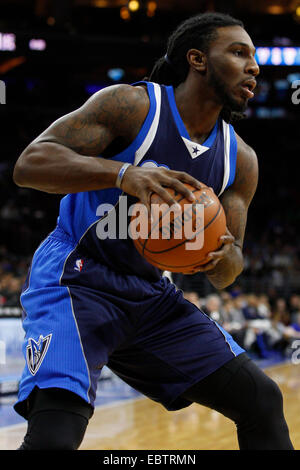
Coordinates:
column 83, row 46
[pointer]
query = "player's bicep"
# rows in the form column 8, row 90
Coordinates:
column 114, row 112
column 78, row 132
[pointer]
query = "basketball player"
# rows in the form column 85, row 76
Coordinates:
column 90, row 302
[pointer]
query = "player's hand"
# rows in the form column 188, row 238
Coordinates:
column 216, row 256
column 143, row 182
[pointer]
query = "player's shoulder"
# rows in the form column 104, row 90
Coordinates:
column 244, row 150
column 134, row 92
column 123, row 94
column 123, row 108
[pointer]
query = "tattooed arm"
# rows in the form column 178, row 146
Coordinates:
column 227, row 263
column 56, row 162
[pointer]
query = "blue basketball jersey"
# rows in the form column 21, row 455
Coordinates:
column 89, row 302
column 163, row 141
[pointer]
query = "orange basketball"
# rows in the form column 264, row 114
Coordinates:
column 178, row 240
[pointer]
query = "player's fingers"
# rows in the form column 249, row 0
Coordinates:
column 145, row 202
column 220, row 253
column 165, row 195
column 205, row 267
column 216, row 255
column 227, row 239
column 180, row 188
column 188, row 179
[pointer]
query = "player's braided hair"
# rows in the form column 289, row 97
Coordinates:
column 196, row 32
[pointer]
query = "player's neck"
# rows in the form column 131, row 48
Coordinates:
column 198, row 109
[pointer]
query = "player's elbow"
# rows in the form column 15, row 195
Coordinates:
column 19, row 173
column 224, row 283
column 221, row 279
column 238, row 269
column 25, row 172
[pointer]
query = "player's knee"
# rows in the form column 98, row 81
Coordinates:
column 54, row 430
column 254, row 399
column 63, row 439
column 265, row 408
column 269, row 403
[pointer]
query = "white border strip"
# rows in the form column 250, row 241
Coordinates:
column 226, row 134
column 141, row 151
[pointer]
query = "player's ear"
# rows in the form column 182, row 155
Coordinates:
column 197, row 59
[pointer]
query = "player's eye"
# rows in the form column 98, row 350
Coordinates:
column 238, row 52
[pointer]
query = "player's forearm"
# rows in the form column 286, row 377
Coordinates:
column 53, row 168
column 227, row 269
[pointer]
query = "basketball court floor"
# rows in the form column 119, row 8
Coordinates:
column 125, row 420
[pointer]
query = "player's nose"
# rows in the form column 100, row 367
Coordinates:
column 252, row 67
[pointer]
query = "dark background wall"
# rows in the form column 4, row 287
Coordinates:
column 85, row 40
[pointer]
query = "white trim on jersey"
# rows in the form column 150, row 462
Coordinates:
column 141, row 151
column 226, row 133
column 195, row 149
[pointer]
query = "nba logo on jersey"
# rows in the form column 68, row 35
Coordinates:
column 79, row 265
column 36, row 351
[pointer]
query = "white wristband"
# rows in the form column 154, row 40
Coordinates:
column 121, row 174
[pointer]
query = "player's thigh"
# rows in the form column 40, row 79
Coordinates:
column 70, row 334
column 173, row 348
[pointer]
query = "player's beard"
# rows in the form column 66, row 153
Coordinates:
column 229, row 103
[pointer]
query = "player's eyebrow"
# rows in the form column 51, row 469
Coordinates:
column 243, row 44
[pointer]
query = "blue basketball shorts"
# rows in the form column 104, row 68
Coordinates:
column 80, row 316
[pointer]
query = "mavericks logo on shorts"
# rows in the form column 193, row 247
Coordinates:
column 36, row 351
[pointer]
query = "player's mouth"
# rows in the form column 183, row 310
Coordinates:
column 248, row 87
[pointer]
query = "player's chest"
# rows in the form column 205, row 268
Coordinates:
column 180, row 154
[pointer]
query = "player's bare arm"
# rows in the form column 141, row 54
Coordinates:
column 56, row 161
column 227, row 263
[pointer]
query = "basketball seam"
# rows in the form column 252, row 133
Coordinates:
column 184, row 241
column 162, row 215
